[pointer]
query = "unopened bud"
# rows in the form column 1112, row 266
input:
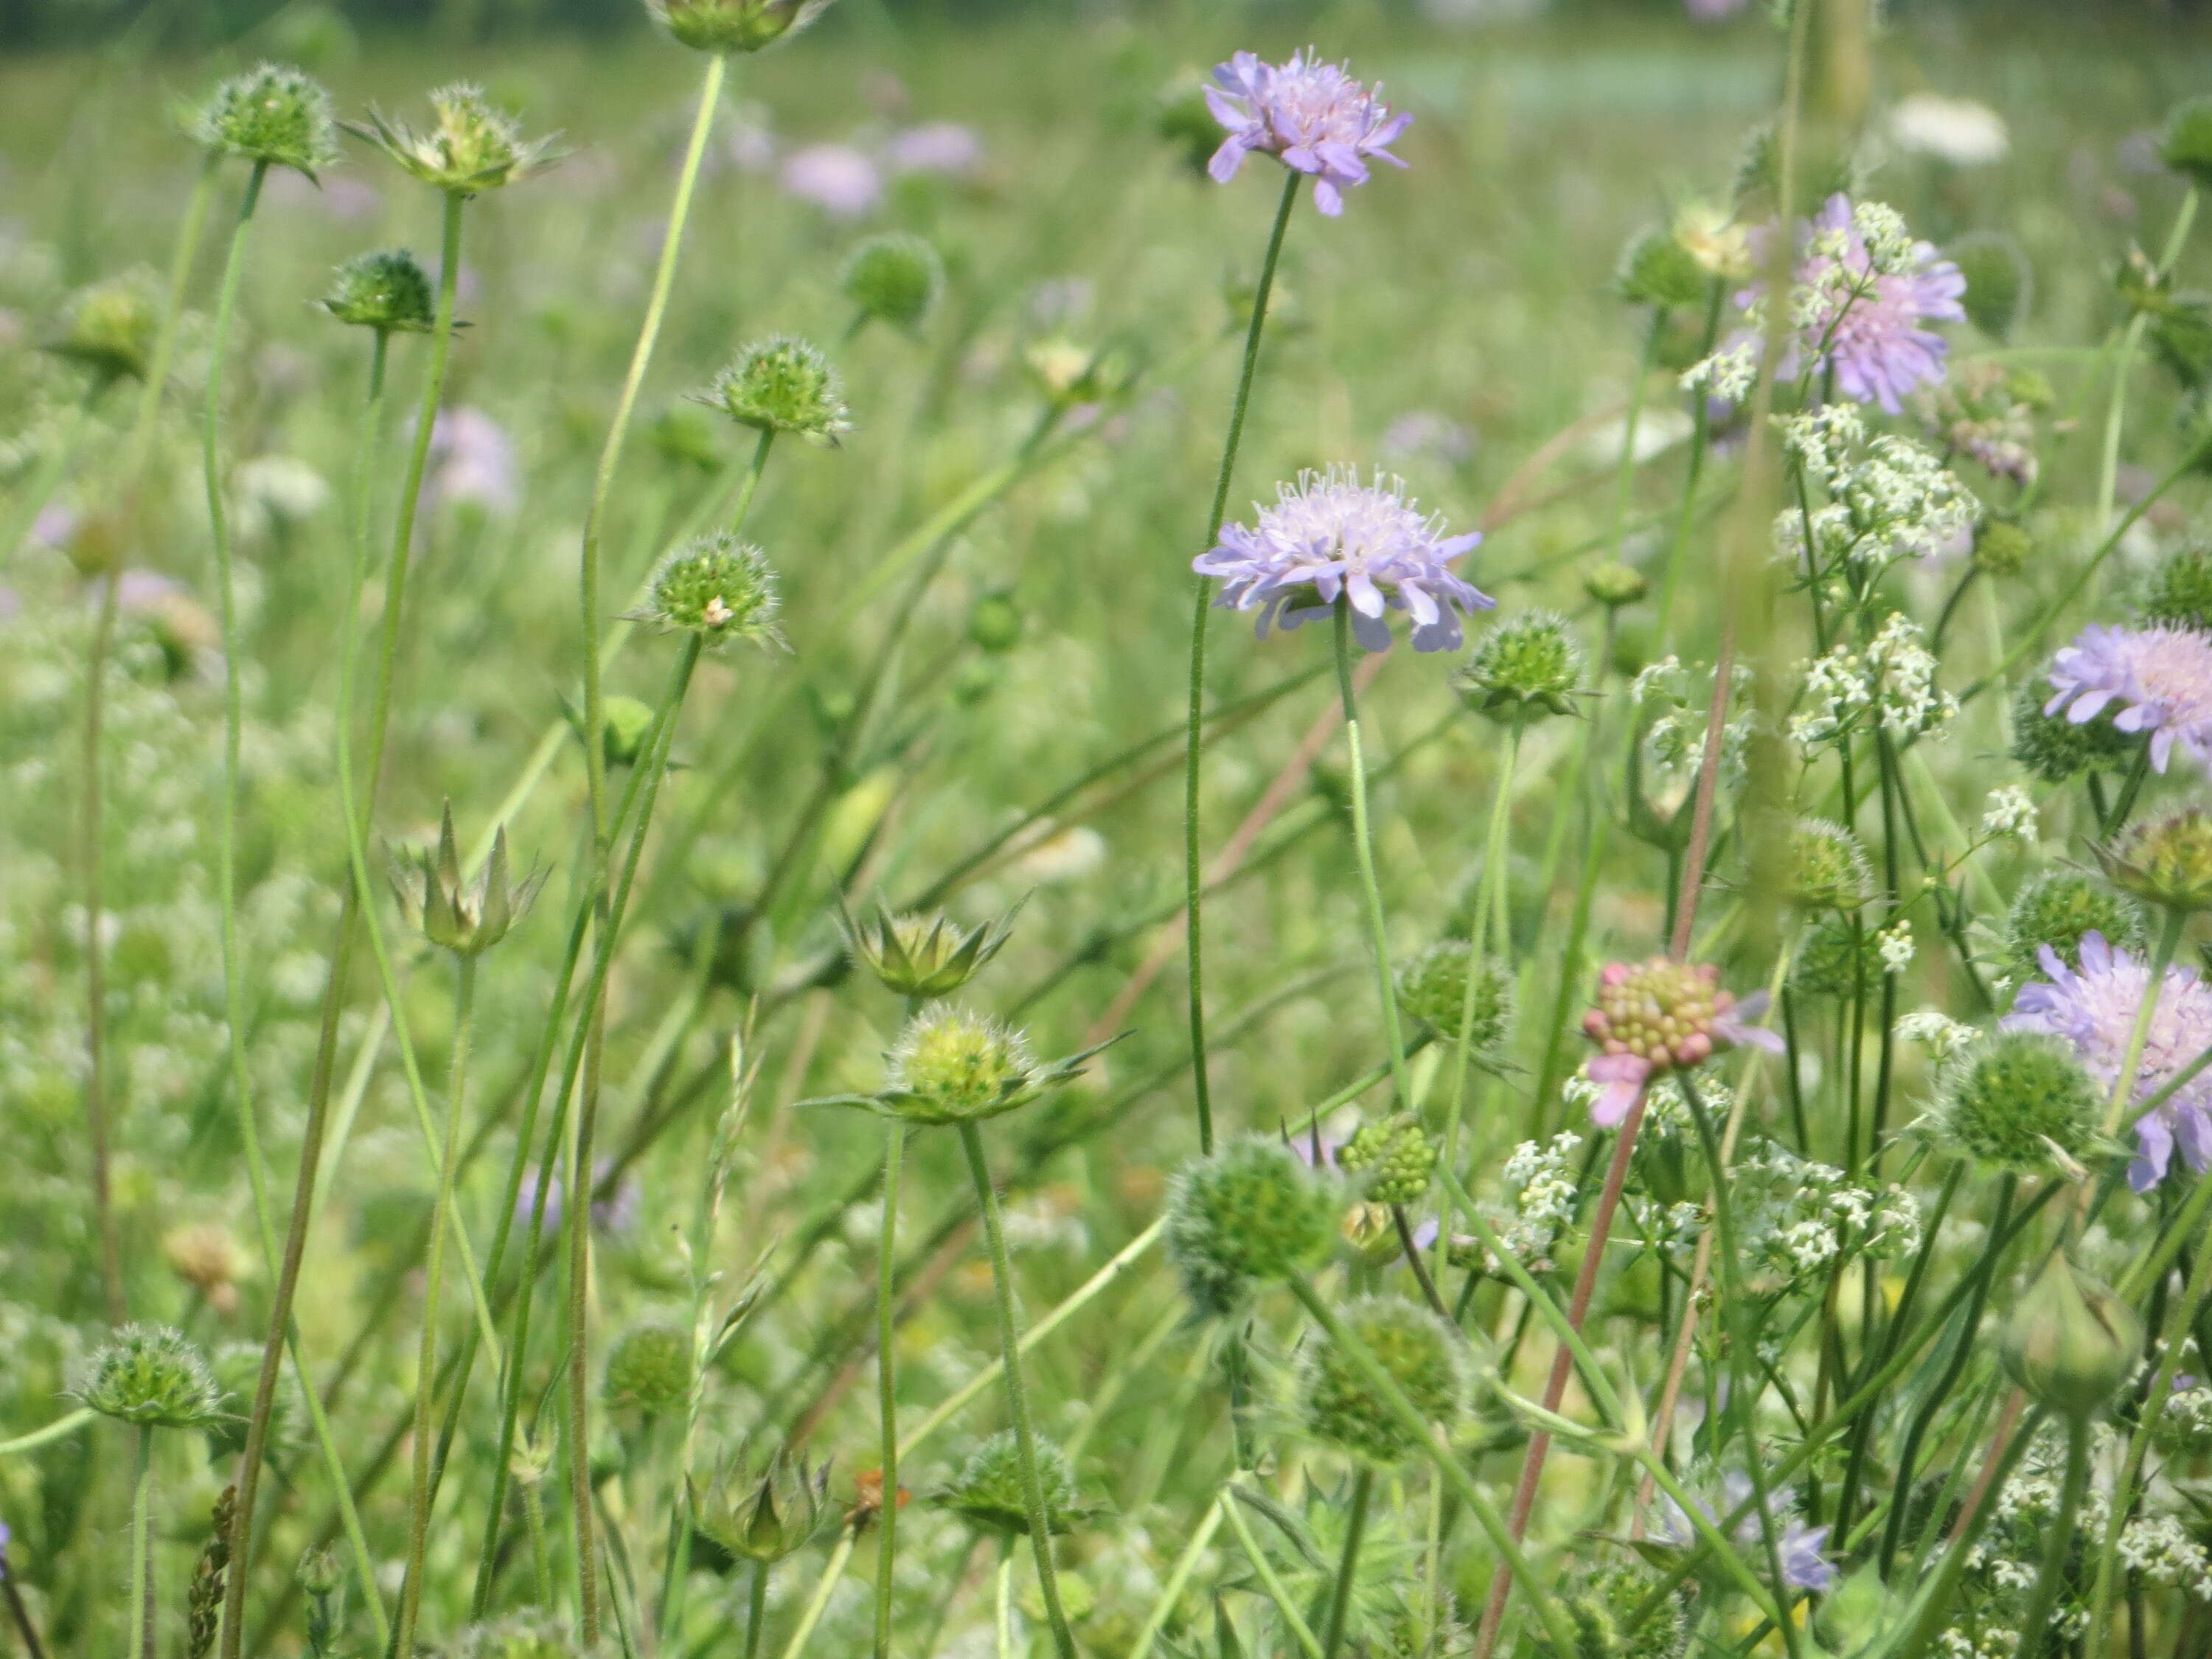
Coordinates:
column 2071, row 1341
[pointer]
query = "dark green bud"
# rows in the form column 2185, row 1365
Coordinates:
column 1601, row 1605
column 388, row 292
column 150, row 1376
column 2000, row 282
column 319, row 1571
column 2019, row 1101
column 1339, row 1406
column 1249, row 1212
column 2002, row 548
column 2054, row 747
column 650, row 1370
column 1394, row 1155
column 894, row 278
column 2181, row 592
column 718, row 588
column 2054, row 911
column 723, row 27
column 2070, row 1342
column 988, row 1491
column 1524, row 670
column 1432, row 989
column 274, row 116
column 782, row 385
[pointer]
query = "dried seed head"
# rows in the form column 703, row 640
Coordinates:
column 2002, row 548
column 953, row 1065
column 1339, row 1406
column 2055, row 748
column 1828, row 869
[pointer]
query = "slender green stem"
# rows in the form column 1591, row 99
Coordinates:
column 1348, row 1566
column 1163, row 1605
column 142, row 1548
column 1018, row 1406
column 2116, row 409
column 812, row 1615
column 1501, row 814
column 756, row 1608
column 1363, row 842
column 1269, row 1579
column 887, row 1380
column 426, row 1364
column 1700, row 445
column 2124, row 1082
column 60, row 1429
column 2058, row 1541
column 1193, row 870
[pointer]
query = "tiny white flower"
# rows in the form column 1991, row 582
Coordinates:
column 2008, row 812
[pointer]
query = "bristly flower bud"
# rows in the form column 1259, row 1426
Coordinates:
column 1656, row 269
column 1248, row 1212
column 109, row 327
column 1340, row 1408
column 2056, row 910
column 386, row 291
column 723, row 27
column 1828, row 869
column 1523, row 670
column 149, row 1374
column 782, row 385
column 894, row 278
column 1614, row 584
column 2055, row 748
column 925, row 957
column 319, row 1571
column 2181, row 593
column 1432, row 989
column 761, row 1511
column 2002, row 548
column 2166, row 860
column 2070, row 1342
column 467, row 918
column 1835, row 959
column 718, row 588
column 1394, row 1155
column 2019, row 1101
column 274, row 116
column 952, row 1066
column 2000, row 281
column 650, row 1369
column 987, row 1494
column 474, row 147
column 2186, row 146
column 624, row 725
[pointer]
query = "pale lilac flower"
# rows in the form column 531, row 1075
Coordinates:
column 2161, row 675
column 614, row 1213
column 1309, row 115
column 474, row 461
column 1327, row 535
column 1712, row 11
column 56, row 524
column 1799, row 1547
column 1661, row 1015
column 1423, row 435
column 838, row 178
column 2095, row 1010
column 944, row 147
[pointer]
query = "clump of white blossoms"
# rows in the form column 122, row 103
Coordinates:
column 1894, row 942
column 1935, row 1031
column 1885, row 498
column 1541, row 1176
column 1672, row 700
column 1891, row 683
column 2008, row 812
column 1794, row 1217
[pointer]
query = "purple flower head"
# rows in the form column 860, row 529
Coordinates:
column 1327, row 535
column 1713, row 11
column 1864, row 293
column 474, row 460
column 1799, row 1547
column 1309, row 115
column 2161, row 675
column 614, row 1213
column 838, row 178
column 944, row 147
column 2095, row 1010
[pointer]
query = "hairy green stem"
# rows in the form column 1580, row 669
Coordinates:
column 1348, row 1566
column 887, row 1379
column 142, row 1547
column 1363, row 843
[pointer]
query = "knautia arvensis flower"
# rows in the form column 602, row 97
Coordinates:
column 388, row 291
column 951, row 1065
column 2019, row 1101
column 724, row 27
column 986, row 1491
column 1432, row 989
column 783, row 385
column 150, row 1376
column 760, row 1508
column 463, row 916
column 108, row 327
column 1329, row 537
column 1660, row 1016
column 1338, row 1405
column 894, row 278
column 2159, row 678
column 1311, row 116
column 1249, row 1212
column 2070, row 1342
column 472, row 146
column 927, row 956
column 1826, row 868
column 2166, row 860
column 272, row 116
column 1523, row 669
column 718, row 588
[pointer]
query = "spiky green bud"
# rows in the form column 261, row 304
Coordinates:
column 2070, row 1341
column 718, row 588
column 925, row 955
column 150, row 1376
column 2186, row 144
column 1395, row 1156
column 386, row 291
column 472, row 145
column 2019, row 1101
column 1249, row 1212
column 1826, row 868
column 272, row 115
column 1340, row 1408
column 988, row 1491
column 2166, row 859
column 467, row 918
column 785, row 385
column 2055, row 748
column 723, row 27
column 894, row 278
column 109, row 327
column 2181, row 591
column 1432, row 989
column 1524, row 670
column 2055, row 910
column 761, row 1509
column 649, row 1371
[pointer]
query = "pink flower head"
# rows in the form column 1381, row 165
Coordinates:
column 1661, row 1015
column 1311, row 116
column 838, row 178
column 2161, row 675
column 944, row 147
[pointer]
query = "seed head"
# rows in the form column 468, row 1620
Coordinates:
column 2002, row 548
column 1395, row 1156
column 988, row 1492
column 2186, row 146
column 473, row 146
column 272, row 115
column 1658, row 269
column 2055, row 748
column 718, row 588
column 1827, row 868
column 925, row 957
column 2166, row 860
column 1523, row 669
column 1250, row 1212
column 894, row 278
column 782, row 385
column 650, row 1370
column 109, row 327
column 2000, row 281
column 2055, row 910
column 386, row 291
column 761, row 1510
column 467, row 918
column 723, row 27
column 1339, row 1406
column 2019, row 1101
column 1432, row 989
column 1614, row 584
column 2181, row 593
column 149, row 1374
column 1834, row 959
column 2070, row 1342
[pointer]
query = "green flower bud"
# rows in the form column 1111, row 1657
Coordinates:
column 236, row 1369
column 2166, row 860
column 271, row 115
column 925, row 955
column 319, row 1571
column 2070, row 1342
column 988, row 1491
column 2055, row 748
column 467, row 918
column 1339, row 1408
column 718, row 588
column 995, row 624
column 1248, row 1212
column 473, row 146
column 723, row 27
column 1432, row 989
column 761, row 1510
column 2019, row 1101
column 1614, row 584
column 1827, row 867
column 2186, row 146
column 388, row 292
column 2056, row 910
column 149, row 1374
column 623, row 724
column 951, row 1066
column 2000, row 282
column 1523, row 669
column 109, row 328
column 1834, row 960
column 894, row 278
column 649, row 1372
column 782, row 385
column 1395, row 1154
column 2002, row 548
column 1656, row 268
column 2181, row 592
column 1601, row 1605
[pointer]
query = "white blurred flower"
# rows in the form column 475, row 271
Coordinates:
column 1955, row 130
column 1063, row 855
column 1895, row 944
column 1936, row 1031
column 838, row 178
column 2009, row 812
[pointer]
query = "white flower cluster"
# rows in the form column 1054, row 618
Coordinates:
column 1729, row 375
column 1894, row 942
column 2160, row 1548
column 1885, row 499
column 1794, row 1217
column 2185, row 1423
column 1987, row 1642
column 1893, row 679
column 2008, row 812
column 1936, row 1031
column 1674, row 744
column 1542, row 1177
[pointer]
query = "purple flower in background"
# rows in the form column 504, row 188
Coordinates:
column 1803, row 1565
column 1329, row 534
column 2095, row 1010
column 55, row 526
column 944, row 147
column 838, row 178
column 1712, row 11
column 474, row 460
column 1309, row 115
column 2162, row 677
column 1423, row 435
column 614, row 1213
